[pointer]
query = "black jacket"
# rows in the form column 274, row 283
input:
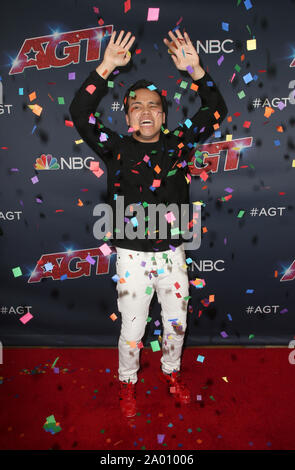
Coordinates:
column 129, row 175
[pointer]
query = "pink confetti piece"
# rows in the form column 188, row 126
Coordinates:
column 153, row 14
column 91, row 89
column 25, row 318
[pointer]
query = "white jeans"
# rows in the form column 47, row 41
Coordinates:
column 134, row 302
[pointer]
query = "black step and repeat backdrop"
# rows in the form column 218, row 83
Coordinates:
column 57, row 287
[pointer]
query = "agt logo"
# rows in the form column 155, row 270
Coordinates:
column 48, row 162
column 211, row 155
column 41, row 52
column 71, row 264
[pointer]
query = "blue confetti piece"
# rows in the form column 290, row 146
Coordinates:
column 247, row 78
column 224, row 26
column 248, row 4
column 229, row 317
column 277, row 142
column 63, row 277
column 249, row 291
column 188, row 123
column 152, row 87
column 209, row 83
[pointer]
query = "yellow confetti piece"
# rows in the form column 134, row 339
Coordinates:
column 79, row 141
column 251, row 44
column 225, row 379
column 228, row 137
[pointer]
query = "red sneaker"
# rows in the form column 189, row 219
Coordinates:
column 176, row 387
column 127, row 399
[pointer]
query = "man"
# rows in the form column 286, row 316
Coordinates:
column 148, row 167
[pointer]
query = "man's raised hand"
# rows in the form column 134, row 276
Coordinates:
column 184, row 55
column 117, row 52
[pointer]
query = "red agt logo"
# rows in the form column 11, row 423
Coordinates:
column 290, row 273
column 40, row 52
column 73, row 264
column 211, row 154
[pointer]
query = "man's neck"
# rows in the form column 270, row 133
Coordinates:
column 146, row 141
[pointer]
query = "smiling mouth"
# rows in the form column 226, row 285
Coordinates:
column 146, row 123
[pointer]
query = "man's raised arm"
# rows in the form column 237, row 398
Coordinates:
column 213, row 109
column 83, row 107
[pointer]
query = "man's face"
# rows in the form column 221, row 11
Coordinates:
column 145, row 115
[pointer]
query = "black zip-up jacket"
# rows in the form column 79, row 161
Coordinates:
column 131, row 164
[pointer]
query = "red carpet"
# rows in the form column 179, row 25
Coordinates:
column 255, row 409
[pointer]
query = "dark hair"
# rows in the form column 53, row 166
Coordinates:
column 144, row 84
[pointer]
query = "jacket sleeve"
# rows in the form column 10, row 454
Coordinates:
column 86, row 120
column 212, row 111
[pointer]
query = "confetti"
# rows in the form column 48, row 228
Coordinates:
column 153, row 14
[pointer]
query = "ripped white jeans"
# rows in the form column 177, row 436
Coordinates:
column 171, row 283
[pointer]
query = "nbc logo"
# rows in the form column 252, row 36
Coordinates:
column 46, row 162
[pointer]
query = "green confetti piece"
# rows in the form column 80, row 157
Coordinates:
column 132, row 93
column 187, row 297
column 145, row 204
column 55, row 362
column 155, row 346
column 248, row 29
column 60, row 100
column 240, row 214
column 17, row 271
column 110, row 84
column 241, row 94
column 237, row 68
column 176, row 231
column 251, row 336
column 199, row 429
column 172, row 172
column 102, row 431
column 50, row 419
column 148, row 290
column 148, row 319
column 177, row 95
column 212, row 398
column 183, row 84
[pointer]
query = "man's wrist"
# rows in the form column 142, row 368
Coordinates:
column 105, row 69
column 197, row 73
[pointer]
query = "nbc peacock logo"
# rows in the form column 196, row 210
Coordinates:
column 46, row 162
